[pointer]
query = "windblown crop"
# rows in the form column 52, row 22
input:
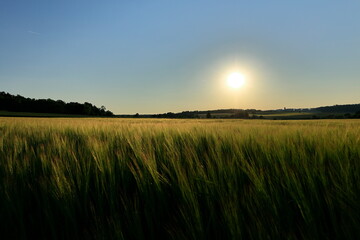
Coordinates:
column 179, row 179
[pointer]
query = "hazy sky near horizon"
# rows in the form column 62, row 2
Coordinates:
column 160, row 56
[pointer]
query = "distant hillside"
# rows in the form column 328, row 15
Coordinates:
column 336, row 111
column 222, row 113
column 12, row 103
column 348, row 108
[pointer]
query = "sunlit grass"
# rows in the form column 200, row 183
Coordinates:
column 179, row 179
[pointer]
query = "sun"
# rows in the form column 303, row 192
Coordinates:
column 235, row 80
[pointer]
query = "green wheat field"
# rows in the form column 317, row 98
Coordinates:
column 179, row 179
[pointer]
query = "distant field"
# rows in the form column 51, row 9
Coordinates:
column 299, row 115
column 216, row 115
column 288, row 115
column 99, row 178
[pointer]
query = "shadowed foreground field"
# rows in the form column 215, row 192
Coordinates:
column 179, row 179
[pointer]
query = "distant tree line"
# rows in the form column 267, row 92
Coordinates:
column 338, row 116
column 336, row 112
column 186, row 114
column 348, row 108
column 231, row 113
column 19, row 103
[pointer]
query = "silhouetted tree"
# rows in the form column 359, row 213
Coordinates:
column 19, row 103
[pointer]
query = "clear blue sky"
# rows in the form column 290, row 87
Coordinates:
column 159, row 56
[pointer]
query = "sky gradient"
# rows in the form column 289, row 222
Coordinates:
column 161, row 56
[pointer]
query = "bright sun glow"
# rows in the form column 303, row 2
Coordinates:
column 235, row 80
